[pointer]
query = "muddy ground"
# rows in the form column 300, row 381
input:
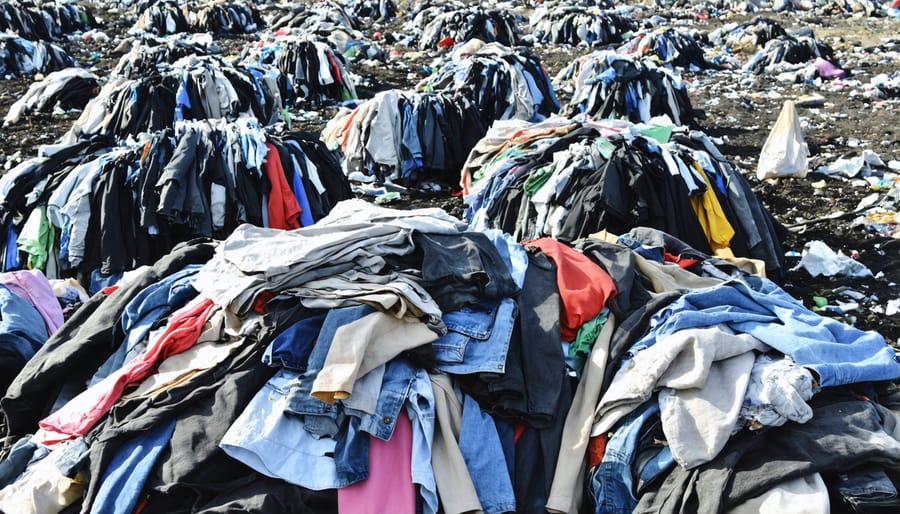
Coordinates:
column 736, row 107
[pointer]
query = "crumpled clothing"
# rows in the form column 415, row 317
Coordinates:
column 777, row 393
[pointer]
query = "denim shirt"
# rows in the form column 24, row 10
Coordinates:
column 22, row 329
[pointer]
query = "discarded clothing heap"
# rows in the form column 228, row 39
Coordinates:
column 194, row 87
column 171, row 17
column 791, row 50
column 407, row 138
column 608, row 85
column 46, row 23
column 67, row 89
column 20, row 57
column 748, row 36
column 885, row 86
column 318, row 18
column 503, row 83
column 29, row 313
column 312, row 72
column 392, row 361
column 569, row 179
column 670, row 47
column 100, row 210
column 146, row 54
column 445, row 25
column 373, row 9
column 573, row 25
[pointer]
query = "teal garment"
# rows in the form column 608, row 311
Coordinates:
column 580, row 348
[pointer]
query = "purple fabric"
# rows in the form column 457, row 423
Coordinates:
column 33, row 286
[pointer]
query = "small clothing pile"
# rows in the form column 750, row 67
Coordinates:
column 318, row 18
column 565, row 24
column 408, row 138
column 45, row 23
column 312, row 73
column 503, row 83
column 67, row 89
column 373, row 9
column 445, row 25
column 20, row 57
column 192, row 88
column 170, row 17
column 145, row 55
column 670, row 47
column 609, row 85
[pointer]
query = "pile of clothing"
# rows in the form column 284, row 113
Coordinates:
column 312, row 73
column 569, row 179
column 748, row 36
column 194, row 87
column 565, row 24
column 67, row 89
column 787, row 50
column 147, row 53
column 503, row 83
column 45, row 23
column 394, row 361
column 608, row 85
column 373, row 9
column 884, row 86
column 669, row 46
column 442, row 25
column 171, row 17
column 318, row 18
column 20, row 57
column 96, row 210
column 411, row 139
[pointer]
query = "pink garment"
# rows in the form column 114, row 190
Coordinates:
column 33, row 286
column 81, row 413
column 389, row 487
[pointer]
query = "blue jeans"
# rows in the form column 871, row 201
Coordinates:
column 291, row 349
column 124, row 477
column 612, row 482
column 482, row 450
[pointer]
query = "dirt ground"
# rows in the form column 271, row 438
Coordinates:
column 848, row 122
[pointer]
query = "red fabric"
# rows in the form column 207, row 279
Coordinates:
column 82, row 412
column 895, row 4
column 259, row 304
column 596, row 449
column 518, row 430
column 584, row 287
column 284, row 211
column 682, row 262
column 108, row 290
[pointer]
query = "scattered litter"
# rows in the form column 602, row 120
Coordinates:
column 818, row 259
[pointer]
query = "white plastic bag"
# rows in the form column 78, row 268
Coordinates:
column 785, row 152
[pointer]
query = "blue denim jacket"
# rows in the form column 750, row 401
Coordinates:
column 22, row 329
column 838, row 353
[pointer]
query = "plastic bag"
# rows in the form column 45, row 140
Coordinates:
column 785, row 152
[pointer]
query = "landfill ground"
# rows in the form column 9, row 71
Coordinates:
column 737, row 107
